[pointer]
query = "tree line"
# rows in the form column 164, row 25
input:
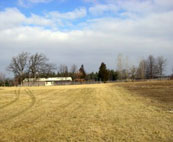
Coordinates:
column 149, row 68
column 26, row 65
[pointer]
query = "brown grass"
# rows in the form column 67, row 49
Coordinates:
column 158, row 93
column 122, row 112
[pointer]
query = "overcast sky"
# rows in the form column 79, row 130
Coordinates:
column 87, row 31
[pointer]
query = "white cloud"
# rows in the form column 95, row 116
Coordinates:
column 101, row 8
column 11, row 17
column 113, row 7
column 75, row 14
column 155, row 27
column 138, row 7
column 97, row 40
column 41, row 21
column 26, row 3
column 164, row 4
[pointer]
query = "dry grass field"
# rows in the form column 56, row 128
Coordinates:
column 119, row 112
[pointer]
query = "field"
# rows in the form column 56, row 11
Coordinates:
column 117, row 112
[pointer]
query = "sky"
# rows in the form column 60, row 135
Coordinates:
column 87, row 31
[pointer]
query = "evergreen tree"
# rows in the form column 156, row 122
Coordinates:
column 113, row 75
column 82, row 72
column 103, row 72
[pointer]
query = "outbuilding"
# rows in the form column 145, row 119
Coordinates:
column 46, row 81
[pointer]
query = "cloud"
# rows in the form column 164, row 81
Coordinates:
column 137, row 7
column 75, row 14
column 12, row 17
column 26, row 3
column 93, row 40
column 151, row 28
column 164, row 4
column 101, row 9
column 38, row 20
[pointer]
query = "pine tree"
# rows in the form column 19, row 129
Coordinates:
column 82, row 72
column 103, row 72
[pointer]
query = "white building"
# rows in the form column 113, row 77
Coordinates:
column 46, row 81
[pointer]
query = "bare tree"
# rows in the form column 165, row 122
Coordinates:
column 48, row 69
column 120, row 65
column 141, row 72
column 18, row 66
column 63, row 70
column 126, row 75
column 2, row 79
column 161, row 63
column 37, row 64
column 2, row 76
column 73, row 69
column 151, row 67
column 133, row 72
